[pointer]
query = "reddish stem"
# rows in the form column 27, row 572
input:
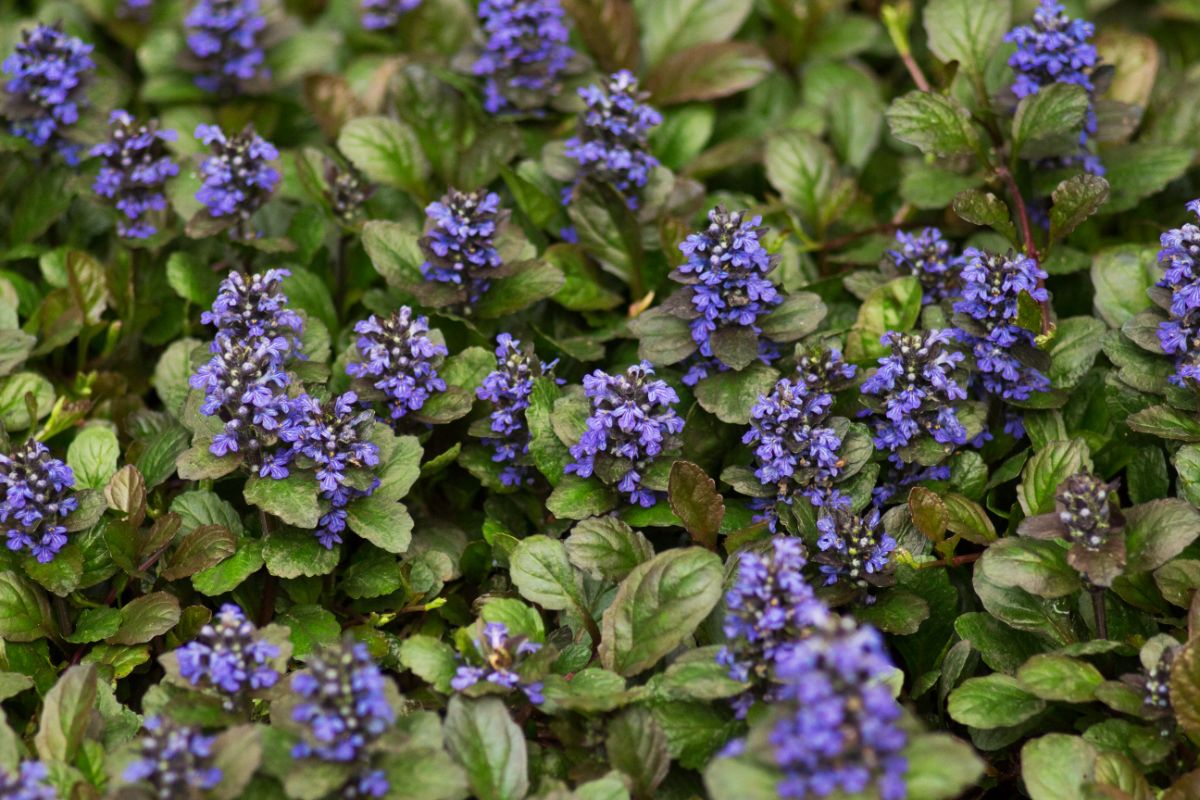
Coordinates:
column 1027, row 234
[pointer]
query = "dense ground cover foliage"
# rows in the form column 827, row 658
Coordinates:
column 599, row 399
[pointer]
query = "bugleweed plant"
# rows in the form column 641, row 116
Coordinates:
column 599, row 399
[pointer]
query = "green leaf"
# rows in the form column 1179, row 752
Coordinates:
column 637, row 746
column 430, row 659
column 395, row 252
column 1057, row 767
column 1046, row 469
column 606, row 548
column 93, row 455
column 146, row 617
column 966, row 31
column 894, row 306
column 204, row 547
column 292, row 499
column 707, row 72
column 730, row 395
column 1077, row 342
column 536, row 281
column 803, row 170
column 741, row 779
column 14, row 410
column 896, row 611
column 1048, row 122
column 94, row 625
column 1185, row 687
column 929, row 514
column 1166, row 422
column 24, row 610
column 662, row 338
column 543, row 574
column 1053, row 677
column 993, row 701
column 968, row 519
column 607, row 229
column 386, row 151
column 673, row 25
column 984, row 208
column 382, row 520
column 1074, row 200
column 482, row 737
column 582, row 289
column 311, row 627
column 694, row 498
column 1157, row 531
column 796, row 317
column 294, row 553
column 1039, row 567
column 940, row 767
column 1121, row 275
column 658, row 605
column 579, row 498
column 935, row 124
column 1139, row 170
column 66, row 712
column 192, row 279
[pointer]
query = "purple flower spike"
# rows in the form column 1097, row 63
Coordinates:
column 38, row 496
column 136, row 167
column 508, row 388
column 525, row 55
column 225, row 40
column 398, row 358
column 46, row 76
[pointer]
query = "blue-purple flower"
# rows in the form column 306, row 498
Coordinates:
column 930, row 259
column 46, row 76
column 225, row 39
column 1056, row 49
column 398, row 358
column 508, row 388
column 38, row 496
column 501, row 656
column 332, row 437
column 173, row 760
column 855, row 550
column 345, row 708
column 525, row 54
column 796, row 450
column 633, row 420
column 380, row 15
column 768, row 609
column 838, row 727
column 253, row 307
column 612, row 144
column 991, row 286
column 917, row 391
column 237, row 177
column 1180, row 333
column 133, row 177
column 29, row 782
column 347, row 192
column 229, row 656
column 726, row 270
column 459, row 247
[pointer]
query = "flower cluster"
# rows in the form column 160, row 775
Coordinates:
column 380, row 15
column 768, row 610
column 47, row 73
column 238, row 177
column 507, row 388
column 633, row 419
column 245, row 383
column 37, row 497
column 332, row 437
column 225, row 38
column 727, row 268
column 30, row 782
column 1085, row 516
column 501, row 655
column 927, row 257
column 229, row 656
column 991, row 286
column 839, row 728
column 1055, row 49
column 612, row 144
column 253, row 307
column 458, row 246
column 1154, row 684
column 348, row 192
column 916, row 388
column 1180, row 335
column 526, row 52
column 174, row 760
column 135, row 171
column 345, row 708
column 398, row 358
column 854, row 550
column 795, row 449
